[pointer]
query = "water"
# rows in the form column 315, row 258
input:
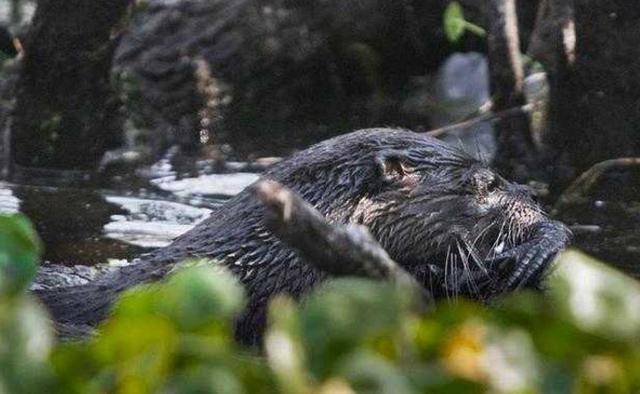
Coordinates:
column 87, row 222
column 608, row 230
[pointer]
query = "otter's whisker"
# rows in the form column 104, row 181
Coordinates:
column 480, row 238
column 449, row 262
column 499, row 239
column 464, row 257
column 471, row 251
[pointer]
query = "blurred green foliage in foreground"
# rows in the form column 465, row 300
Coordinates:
column 351, row 336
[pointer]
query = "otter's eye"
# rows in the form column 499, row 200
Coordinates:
column 492, row 184
column 394, row 169
column 485, row 182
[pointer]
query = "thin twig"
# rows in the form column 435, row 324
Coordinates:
column 489, row 116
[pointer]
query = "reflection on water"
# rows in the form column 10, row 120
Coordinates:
column 94, row 222
column 70, row 221
column 208, row 185
column 8, row 202
column 151, row 223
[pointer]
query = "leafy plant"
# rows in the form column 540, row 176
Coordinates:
column 351, row 335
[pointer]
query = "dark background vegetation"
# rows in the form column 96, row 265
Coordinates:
column 256, row 72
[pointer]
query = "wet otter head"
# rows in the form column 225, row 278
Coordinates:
column 438, row 211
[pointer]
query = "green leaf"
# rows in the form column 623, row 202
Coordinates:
column 194, row 297
column 337, row 319
column 20, row 250
column 596, row 296
column 454, row 22
column 26, row 339
column 283, row 348
column 455, row 25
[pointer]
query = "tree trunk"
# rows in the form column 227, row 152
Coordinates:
column 66, row 112
column 595, row 91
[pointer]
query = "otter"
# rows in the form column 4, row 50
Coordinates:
column 444, row 216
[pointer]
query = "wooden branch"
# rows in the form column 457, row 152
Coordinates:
column 485, row 117
column 578, row 190
column 333, row 248
column 506, row 74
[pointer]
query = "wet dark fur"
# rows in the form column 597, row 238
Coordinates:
column 436, row 210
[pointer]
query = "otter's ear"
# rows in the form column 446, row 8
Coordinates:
column 392, row 165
